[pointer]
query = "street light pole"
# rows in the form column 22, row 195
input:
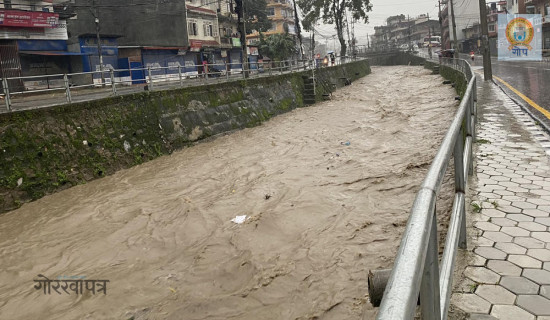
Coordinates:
column 99, row 49
column 487, row 67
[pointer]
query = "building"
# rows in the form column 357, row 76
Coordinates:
column 203, row 32
column 132, row 34
column 281, row 14
column 230, row 38
column 423, row 27
column 493, row 10
column 32, row 42
column 541, row 7
column 404, row 31
column 516, row 6
column 466, row 15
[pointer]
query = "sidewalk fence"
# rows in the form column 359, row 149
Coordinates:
column 120, row 81
column 416, row 271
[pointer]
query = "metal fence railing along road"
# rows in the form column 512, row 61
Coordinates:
column 416, row 271
column 56, row 89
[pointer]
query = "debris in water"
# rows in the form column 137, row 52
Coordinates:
column 85, row 142
column 172, row 289
column 239, row 219
column 267, row 196
column 347, row 143
column 19, row 181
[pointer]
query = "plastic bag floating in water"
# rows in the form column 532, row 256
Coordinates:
column 239, row 219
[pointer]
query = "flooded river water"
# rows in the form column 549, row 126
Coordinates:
column 326, row 191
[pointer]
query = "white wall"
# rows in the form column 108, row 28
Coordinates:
column 466, row 14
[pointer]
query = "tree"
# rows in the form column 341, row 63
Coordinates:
column 278, row 46
column 334, row 12
column 255, row 12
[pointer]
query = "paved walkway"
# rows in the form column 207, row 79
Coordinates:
column 508, row 268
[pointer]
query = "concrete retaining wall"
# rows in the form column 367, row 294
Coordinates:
column 47, row 150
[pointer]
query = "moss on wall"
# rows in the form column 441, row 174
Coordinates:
column 50, row 149
column 457, row 77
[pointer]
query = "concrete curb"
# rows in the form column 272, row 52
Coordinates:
column 541, row 120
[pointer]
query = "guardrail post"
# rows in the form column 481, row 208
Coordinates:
column 150, row 78
column 6, row 93
column 67, row 88
column 470, row 128
column 113, row 83
column 227, row 70
column 180, row 76
column 429, row 288
column 460, row 181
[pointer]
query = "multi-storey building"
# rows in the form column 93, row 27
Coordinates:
column 401, row 30
column 466, row 15
column 541, row 7
column 516, row 6
column 128, row 34
column 230, row 40
column 32, row 41
column 203, row 32
column 281, row 14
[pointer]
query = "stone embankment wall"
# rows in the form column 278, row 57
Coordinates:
column 47, row 150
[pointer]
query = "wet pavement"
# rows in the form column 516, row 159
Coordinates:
column 507, row 269
column 326, row 191
column 531, row 78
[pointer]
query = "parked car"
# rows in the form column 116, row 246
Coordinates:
column 449, row 53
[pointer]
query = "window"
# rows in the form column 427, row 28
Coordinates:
column 209, row 30
column 492, row 28
column 7, row 4
column 192, row 27
column 270, row 11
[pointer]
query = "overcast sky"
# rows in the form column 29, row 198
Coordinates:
column 381, row 10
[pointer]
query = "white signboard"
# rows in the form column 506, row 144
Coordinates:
column 57, row 32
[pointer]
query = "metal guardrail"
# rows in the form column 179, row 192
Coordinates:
column 416, row 271
column 180, row 76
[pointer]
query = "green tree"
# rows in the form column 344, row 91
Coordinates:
column 334, row 12
column 279, row 46
column 255, row 12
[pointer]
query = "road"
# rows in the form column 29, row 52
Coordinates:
column 326, row 191
column 531, row 80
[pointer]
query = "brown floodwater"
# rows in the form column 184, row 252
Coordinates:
column 320, row 214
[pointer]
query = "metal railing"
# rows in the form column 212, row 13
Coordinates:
column 121, row 81
column 416, row 271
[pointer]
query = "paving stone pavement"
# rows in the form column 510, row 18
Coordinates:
column 507, row 269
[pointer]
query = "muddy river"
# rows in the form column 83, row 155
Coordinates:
column 326, row 191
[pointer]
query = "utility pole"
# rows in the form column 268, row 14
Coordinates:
column 241, row 20
column 99, row 49
column 487, row 68
column 409, row 31
column 454, row 26
column 298, row 30
column 440, row 24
